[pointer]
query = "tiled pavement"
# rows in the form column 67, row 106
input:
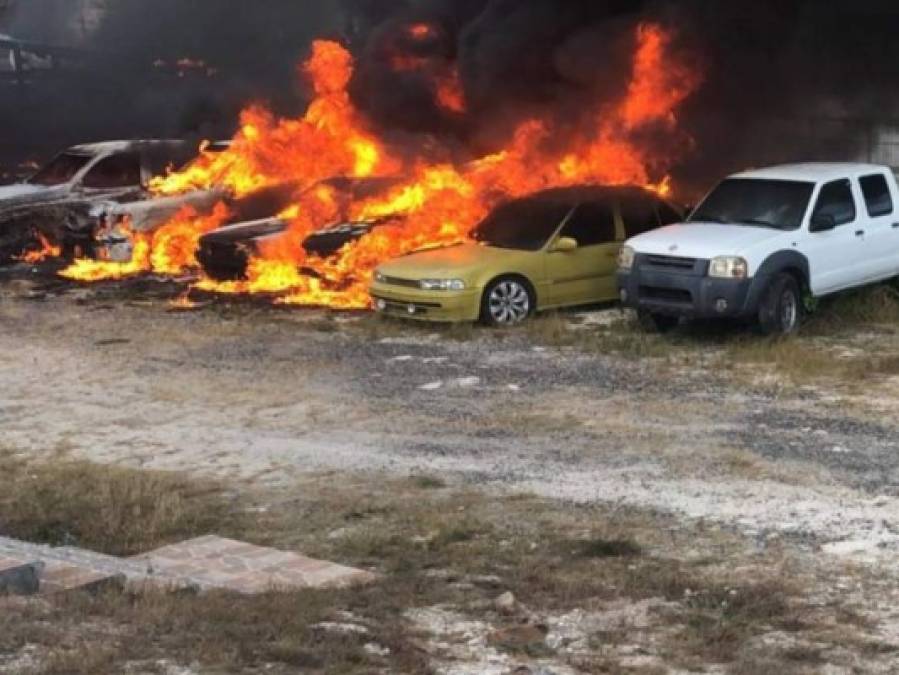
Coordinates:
column 206, row 563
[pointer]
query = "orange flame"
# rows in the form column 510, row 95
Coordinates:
column 39, row 255
column 438, row 203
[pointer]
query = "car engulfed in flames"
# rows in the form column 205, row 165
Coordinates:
column 419, row 199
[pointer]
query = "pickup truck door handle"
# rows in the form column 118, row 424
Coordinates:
column 859, row 233
column 896, row 226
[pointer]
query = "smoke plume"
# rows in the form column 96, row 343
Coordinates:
column 776, row 73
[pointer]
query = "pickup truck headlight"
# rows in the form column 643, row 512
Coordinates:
column 626, row 258
column 729, row 267
column 441, row 285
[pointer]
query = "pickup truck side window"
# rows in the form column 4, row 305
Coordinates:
column 117, row 171
column 877, row 195
column 593, row 223
column 836, row 200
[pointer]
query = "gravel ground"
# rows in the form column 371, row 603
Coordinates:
column 258, row 394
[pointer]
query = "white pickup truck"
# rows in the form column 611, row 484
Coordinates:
column 762, row 241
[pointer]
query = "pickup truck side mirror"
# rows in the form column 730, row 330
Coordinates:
column 822, row 222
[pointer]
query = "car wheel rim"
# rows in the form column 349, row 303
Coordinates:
column 509, row 303
column 789, row 311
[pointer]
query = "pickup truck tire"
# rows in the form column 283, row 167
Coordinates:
column 780, row 308
column 656, row 323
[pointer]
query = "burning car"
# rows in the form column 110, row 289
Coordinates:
column 64, row 200
column 225, row 254
column 557, row 248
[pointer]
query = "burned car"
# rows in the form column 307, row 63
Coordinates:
column 71, row 198
column 225, row 254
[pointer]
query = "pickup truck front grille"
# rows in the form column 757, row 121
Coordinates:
column 671, row 262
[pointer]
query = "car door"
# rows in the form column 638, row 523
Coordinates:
column 835, row 256
column 882, row 233
column 586, row 274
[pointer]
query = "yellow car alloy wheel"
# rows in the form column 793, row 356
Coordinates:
column 507, row 302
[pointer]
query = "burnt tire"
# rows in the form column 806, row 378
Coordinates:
column 780, row 310
column 652, row 322
column 507, row 301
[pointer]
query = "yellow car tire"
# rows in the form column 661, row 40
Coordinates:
column 507, row 301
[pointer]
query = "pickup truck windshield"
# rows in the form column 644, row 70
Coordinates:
column 60, row 170
column 779, row 204
column 524, row 225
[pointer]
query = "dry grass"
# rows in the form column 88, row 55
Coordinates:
column 108, row 509
column 434, row 543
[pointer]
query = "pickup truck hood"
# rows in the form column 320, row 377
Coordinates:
column 702, row 240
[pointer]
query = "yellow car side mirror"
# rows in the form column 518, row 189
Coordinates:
column 565, row 245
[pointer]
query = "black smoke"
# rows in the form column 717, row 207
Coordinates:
column 126, row 81
column 783, row 79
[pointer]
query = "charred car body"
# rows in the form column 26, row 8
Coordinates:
column 225, row 254
column 75, row 198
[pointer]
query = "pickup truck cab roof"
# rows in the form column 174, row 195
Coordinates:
column 813, row 172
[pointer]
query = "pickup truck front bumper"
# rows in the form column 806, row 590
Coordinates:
column 681, row 287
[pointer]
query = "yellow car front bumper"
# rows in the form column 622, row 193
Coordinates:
column 412, row 303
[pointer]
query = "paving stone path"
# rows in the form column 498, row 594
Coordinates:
column 205, row 563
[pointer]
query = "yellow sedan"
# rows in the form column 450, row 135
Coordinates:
column 554, row 249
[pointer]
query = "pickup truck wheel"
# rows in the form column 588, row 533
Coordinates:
column 780, row 311
column 656, row 323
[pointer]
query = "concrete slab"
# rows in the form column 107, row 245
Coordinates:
column 59, row 577
column 227, row 564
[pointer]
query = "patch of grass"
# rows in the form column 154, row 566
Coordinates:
column 379, row 327
column 276, row 632
column 109, row 509
column 610, row 548
column 795, row 358
column 428, row 482
column 801, row 359
column 873, row 305
column 720, row 618
column 623, row 338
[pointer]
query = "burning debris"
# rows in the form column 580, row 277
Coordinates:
column 90, row 199
column 424, row 198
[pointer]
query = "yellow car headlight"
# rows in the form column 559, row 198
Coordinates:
column 441, row 285
column 728, row 267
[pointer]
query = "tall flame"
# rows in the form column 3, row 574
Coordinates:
column 437, row 204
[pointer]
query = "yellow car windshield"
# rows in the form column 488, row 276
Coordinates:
column 524, row 225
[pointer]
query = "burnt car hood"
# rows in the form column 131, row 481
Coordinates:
column 23, row 193
column 245, row 232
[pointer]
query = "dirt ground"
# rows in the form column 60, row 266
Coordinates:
column 698, row 430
